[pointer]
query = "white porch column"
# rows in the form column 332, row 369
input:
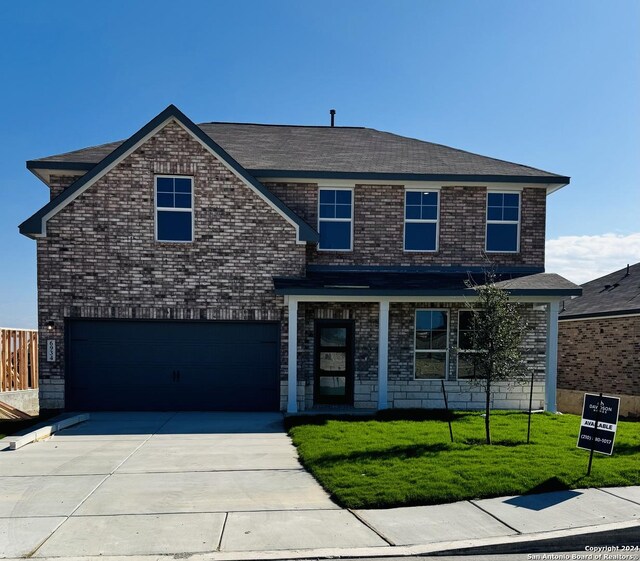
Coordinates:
column 551, row 378
column 383, row 353
column 292, row 357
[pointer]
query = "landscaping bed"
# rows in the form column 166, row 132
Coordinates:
column 404, row 458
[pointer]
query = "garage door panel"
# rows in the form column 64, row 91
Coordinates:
column 159, row 365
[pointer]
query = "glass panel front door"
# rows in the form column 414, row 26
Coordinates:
column 334, row 362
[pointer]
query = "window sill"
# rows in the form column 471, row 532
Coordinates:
column 431, row 251
column 334, row 250
column 505, row 252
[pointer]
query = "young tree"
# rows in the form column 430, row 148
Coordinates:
column 497, row 332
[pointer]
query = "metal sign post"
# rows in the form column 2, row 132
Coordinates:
column 595, row 435
column 598, row 425
column 446, row 406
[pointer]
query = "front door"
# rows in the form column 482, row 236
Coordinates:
column 334, row 362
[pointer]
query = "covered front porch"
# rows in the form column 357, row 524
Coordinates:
column 392, row 356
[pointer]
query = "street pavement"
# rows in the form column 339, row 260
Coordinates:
column 230, row 486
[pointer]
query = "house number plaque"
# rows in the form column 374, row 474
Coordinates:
column 51, row 350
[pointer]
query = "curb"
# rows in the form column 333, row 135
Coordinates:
column 614, row 534
column 16, row 443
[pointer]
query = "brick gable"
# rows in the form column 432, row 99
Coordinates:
column 100, row 257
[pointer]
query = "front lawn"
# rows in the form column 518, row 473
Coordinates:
column 389, row 462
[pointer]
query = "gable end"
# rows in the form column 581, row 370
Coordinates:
column 35, row 226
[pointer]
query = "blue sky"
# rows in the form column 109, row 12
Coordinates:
column 552, row 84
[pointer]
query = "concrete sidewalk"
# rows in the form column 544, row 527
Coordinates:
column 229, row 486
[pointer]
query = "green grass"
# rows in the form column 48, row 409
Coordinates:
column 393, row 461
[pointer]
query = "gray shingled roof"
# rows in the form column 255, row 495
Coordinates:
column 338, row 149
column 615, row 293
column 540, row 281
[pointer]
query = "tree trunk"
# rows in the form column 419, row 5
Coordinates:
column 487, row 409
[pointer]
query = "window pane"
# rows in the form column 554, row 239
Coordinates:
column 511, row 199
column 494, row 213
column 438, row 320
column 430, row 365
column 413, row 197
column 183, row 201
column 430, row 212
column 465, row 341
column 343, row 211
column 333, row 362
column 174, row 226
column 333, row 336
column 327, row 196
column 164, row 184
column 431, row 330
column 419, row 236
column 412, row 212
column 423, row 340
column 343, row 197
column 430, row 199
column 495, row 199
column 423, row 320
column 332, row 385
column 464, row 319
column 335, row 235
column 438, row 339
column 465, row 366
column 464, row 330
column 510, row 213
column 327, row 211
column 502, row 237
column 165, row 200
column 183, row 185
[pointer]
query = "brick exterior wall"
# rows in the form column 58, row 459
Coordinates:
column 379, row 222
column 403, row 389
column 600, row 355
column 100, row 258
column 58, row 183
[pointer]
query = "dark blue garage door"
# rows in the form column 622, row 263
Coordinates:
column 172, row 366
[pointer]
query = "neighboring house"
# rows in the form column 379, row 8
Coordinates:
column 599, row 342
column 258, row 267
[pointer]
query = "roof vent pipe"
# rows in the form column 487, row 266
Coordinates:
column 627, row 270
column 332, row 112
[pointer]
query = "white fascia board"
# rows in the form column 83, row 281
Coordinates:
column 411, row 184
column 418, row 299
column 596, row 318
column 553, row 187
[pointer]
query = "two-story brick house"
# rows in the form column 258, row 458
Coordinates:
column 257, row 267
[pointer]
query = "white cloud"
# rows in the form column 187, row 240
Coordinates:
column 584, row 258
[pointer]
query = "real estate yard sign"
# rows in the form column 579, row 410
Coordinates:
column 602, row 410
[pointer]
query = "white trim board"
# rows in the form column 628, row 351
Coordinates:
column 594, row 318
column 416, row 299
column 428, row 185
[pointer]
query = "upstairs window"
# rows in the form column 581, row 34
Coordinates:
column 335, row 219
column 431, row 344
column 503, row 222
column 420, row 221
column 174, row 209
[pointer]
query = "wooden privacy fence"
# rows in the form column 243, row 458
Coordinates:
column 18, row 359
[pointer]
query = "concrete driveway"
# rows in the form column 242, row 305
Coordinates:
column 153, row 483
